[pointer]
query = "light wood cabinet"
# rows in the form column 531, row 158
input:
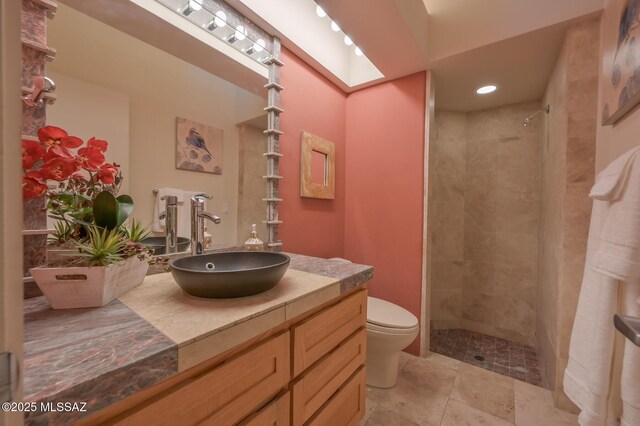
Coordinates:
column 226, row 394
column 309, row 370
column 277, row 413
column 321, row 381
column 320, row 334
column 346, row 407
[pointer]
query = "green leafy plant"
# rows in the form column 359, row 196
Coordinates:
column 109, row 211
column 136, row 232
column 103, row 246
column 64, row 231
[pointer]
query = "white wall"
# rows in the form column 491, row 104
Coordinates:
column 160, row 88
column 86, row 110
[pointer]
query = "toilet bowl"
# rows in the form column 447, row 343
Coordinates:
column 390, row 329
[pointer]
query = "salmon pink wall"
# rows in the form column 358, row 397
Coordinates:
column 377, row 215
column 313, row 104
column 385, row 190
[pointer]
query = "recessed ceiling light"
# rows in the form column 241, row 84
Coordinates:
column 335, row 26
column 486, row 89
column 347, row 40
column 358, row 51
column 320, row 12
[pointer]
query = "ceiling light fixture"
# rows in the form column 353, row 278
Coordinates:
column 320, row 12
column 335, row 26
column 239, row 35
column 358, row 51
column 220, row 21
column 257, row 47
column 347, row 40
column 222, row 27
column 486, row 89
column 192, row 6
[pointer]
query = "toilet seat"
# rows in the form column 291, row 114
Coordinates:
column 390, row 330
column 386, row 317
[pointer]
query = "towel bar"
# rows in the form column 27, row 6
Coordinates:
column 629, row 327
column 155, row 191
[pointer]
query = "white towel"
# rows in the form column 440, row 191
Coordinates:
column 610, row 181
column 613, row 255
column 157, row 224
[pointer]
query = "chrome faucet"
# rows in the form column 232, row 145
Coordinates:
column 198, row 215
column 170, row 214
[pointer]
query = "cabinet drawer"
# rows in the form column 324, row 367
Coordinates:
column 322, row 380
column 274, row 414
column 347, row 406
column 318, row 335
column 226, row 394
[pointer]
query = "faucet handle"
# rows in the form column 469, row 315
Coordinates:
column 200, row 197
column 172, row 200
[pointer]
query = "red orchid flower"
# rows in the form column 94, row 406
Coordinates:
column 76, row 176
column 33, row 186
column 107, row 173
column 91, row 158
column 32, row 152
column 58, row 169
column 58, row 141
column 51, row 133
column 98, row 143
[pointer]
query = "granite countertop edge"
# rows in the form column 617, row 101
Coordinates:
column 147, row 367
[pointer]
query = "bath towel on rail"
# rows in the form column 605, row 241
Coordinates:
column 157, row 224
column 605, row 383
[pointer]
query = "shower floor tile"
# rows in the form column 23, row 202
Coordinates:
column 502, row 356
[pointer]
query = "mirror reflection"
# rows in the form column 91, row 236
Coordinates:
column 171, row 126
column 319, row 168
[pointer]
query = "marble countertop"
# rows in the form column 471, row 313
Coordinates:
column 102, row 355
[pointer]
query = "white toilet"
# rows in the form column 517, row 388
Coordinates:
column 390, row 329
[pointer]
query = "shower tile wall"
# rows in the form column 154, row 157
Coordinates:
column 485, row 168
column 568, row 164
column 447, row 158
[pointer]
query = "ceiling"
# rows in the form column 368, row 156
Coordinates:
column 468, row 43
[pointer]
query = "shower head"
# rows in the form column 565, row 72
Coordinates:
column 528, row 118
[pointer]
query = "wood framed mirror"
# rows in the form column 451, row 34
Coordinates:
column 317, row 167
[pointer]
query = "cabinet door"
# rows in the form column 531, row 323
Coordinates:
column 225, row 395
column 321, row 381
column 274, row 414
column 320, row 334
column 347, row 406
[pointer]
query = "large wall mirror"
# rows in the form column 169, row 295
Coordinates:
column 151, row 106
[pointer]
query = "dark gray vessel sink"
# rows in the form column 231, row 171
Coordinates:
column 158, row 244
column 231, row 274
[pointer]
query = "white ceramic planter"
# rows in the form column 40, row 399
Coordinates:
column 89, row 287
column 60, row 254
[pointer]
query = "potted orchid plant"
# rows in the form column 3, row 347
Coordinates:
column 104, row 258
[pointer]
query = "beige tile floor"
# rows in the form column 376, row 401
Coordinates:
column 441, row 391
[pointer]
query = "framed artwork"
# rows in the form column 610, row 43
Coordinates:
column 198, row 147
column 317, row 167
column 621, row 60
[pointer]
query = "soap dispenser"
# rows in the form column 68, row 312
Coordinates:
column 254, row 243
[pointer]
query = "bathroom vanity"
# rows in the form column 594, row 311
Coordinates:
column 293, row 355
